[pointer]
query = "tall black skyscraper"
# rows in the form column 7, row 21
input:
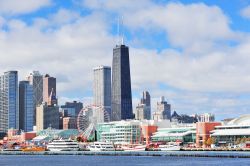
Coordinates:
column 121, row 84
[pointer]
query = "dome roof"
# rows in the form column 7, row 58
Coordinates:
column 242, row 120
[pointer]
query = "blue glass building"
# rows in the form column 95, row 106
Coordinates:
column 9, row 109
column 121, row 84
column 26, row 106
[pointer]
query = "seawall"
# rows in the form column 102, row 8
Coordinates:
column 142, row 153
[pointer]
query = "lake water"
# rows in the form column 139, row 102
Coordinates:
column 71, row 160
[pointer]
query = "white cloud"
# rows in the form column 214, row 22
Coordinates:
column 64, row 16
column 196, row 27
column 12, row 7
column 245, row 12
column 71, row 50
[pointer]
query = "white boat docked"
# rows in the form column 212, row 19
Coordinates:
column 101, row 146
column 171, row 146
column 63, row 145
column 133, row 147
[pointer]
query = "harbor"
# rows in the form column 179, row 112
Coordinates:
column 218, row 154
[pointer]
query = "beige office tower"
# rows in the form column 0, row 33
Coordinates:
column 163, row 110
column 49, row 89
column 36, row 80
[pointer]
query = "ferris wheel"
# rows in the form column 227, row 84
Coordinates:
column 88, row 118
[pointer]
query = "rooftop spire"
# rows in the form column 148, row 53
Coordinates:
column 120, row 30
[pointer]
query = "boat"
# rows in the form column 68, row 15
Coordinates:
column 133, row 147
column 33, row 149
column 63, row 145
column 171, row 146
column 101, row 146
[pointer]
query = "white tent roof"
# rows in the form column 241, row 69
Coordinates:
column 230, row 132
column 39, row 138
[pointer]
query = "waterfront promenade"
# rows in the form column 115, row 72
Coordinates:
column 219, row 154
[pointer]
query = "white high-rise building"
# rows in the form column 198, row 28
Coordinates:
column 163, row 110
column 102, row 87
column 143, row 110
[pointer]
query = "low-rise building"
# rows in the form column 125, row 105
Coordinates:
column 234, row 132
column 49, row 134
column 69, row 123
column 120, row 132
column 185, row 135
column 206, row 117
column 203, row 130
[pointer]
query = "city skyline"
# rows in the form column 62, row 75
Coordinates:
column 200, row 68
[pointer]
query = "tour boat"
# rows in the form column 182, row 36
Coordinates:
column 101, row 146
column 133, row 147
column 171, row 146
column 63, row 145
column 33, row 149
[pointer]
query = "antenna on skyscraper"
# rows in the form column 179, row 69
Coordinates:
column 120, row 31
column 122, row 35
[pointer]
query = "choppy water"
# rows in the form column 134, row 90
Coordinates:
column 61, row 160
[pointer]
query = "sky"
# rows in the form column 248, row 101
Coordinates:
column 195, row 53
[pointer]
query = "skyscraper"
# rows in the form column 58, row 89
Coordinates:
column 143, row 110
column 163, row 110
column 9, row 110
column 121, row 84
column 49, row 88
column 26, row 107
column 147, row 101
column 36, row 80
column 102, row 87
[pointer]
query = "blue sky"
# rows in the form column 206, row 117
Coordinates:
column 195, row 53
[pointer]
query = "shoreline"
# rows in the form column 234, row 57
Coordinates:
column 220, row 154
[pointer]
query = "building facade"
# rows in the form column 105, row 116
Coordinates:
column 206, row 117
column 146, row 99
column 47, row 116
column 147, row 132
column 140, row 112
column 120, row 132
column 102, row 87
column 26, row 106
column 143, row 109
column 49, row 88
column 71, row 109
column 9, row 107
column 203, row 130
column 185, row 135
column 235, row 132
column 121, row 84
column 36, row 80
column 69, row 123
column 163, row 110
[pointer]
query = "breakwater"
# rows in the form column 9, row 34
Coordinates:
column 141, row 153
